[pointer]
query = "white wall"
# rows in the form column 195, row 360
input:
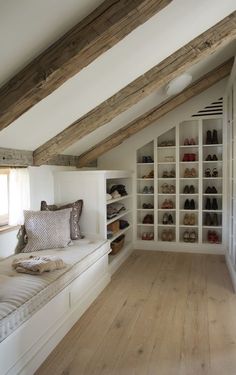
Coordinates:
column 41, row 188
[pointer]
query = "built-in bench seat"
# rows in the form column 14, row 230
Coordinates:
column 47, row 301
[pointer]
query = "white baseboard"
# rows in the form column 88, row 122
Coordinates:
column 232, row 271
column 182, row 247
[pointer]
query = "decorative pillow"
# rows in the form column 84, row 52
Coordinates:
column 76, row 211
column 47, row 229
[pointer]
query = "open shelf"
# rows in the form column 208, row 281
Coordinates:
column 181, row 158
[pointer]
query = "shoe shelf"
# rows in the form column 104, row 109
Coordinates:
column 190, row 143
column 126, row 212
column 145, row 179
column 119, row 233
column 145, row 164
column 110, row 201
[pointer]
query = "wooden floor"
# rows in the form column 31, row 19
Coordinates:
column 162, row 314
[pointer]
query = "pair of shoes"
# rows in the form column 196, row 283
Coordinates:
column 168, row 204
column 190, row 173
column 189, row 157
column 167, row 189
column 208, row 172
column 210, row 190
column 189, row 189
column 189, row 219
column 189, row 204
column 167, row 219
column 190, row 236
column 147, row 159
column 149, row 175
column 213, row 237
column 167, row 143
column 211, row 206
column 148, row 219
column 167, row 235
column 211, row 220
column 211, row 137
column 148, row 206
column 148, row 236
column 167, row 174
column 148, row 190
column 189, row 142
column 211, row 158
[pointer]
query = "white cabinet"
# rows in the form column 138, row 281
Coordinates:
column 92, row 187
column 180, row 188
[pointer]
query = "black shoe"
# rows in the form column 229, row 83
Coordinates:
column 208, row 190
column 209, row 138
column 187, row 205
column 213, row 190
column 208, row 204
column 215, row 221
column 192, row 205
column 208, row 158
column 186, row 189
column 214, row 157
column 214, row 137
column 191, row 189
column 170, row 219
column 208, row 221
column 214, row 204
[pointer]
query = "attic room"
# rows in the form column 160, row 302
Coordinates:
column 117, row 187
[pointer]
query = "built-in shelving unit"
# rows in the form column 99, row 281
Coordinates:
column 186, row 192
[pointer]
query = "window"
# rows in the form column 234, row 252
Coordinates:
column 4, row 196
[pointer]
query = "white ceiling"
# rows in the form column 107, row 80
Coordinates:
column 23, row 34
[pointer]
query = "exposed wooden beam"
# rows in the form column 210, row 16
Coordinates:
column 69, row 161
column 155, row 113
column 102, row 29
column 21, row 158
column 171, row 67
column 15, row 158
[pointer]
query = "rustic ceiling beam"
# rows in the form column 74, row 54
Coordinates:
column 98, row 32
column 21, row 158
column 177, row 63
column 155, row 113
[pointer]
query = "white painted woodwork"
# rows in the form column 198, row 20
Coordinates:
column 29, row 345
column 91, row 186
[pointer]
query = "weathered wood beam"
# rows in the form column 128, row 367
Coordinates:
column 15, row 158
column 69, row 161
column 22, row 158
column 102, row 29
column 155, row 113
column 161, row 74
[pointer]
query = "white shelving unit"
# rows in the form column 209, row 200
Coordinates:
column 175, row 165
column 92, row 187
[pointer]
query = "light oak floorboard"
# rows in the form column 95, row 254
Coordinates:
column 162, row 314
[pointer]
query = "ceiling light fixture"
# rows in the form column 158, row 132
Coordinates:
column 178, row 84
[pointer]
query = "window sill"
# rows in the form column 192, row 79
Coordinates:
column 8, row 228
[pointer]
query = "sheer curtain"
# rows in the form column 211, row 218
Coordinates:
column 19, row 195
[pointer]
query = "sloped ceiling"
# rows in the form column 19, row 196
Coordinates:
column 29, row 26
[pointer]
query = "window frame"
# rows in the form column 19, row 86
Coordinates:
column 4, row 219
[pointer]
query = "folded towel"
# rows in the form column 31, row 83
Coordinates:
column 36, row 265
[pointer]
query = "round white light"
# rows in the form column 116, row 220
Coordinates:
column 178, row 84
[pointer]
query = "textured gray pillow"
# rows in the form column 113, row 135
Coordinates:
column 76, row 211
column 47, row 229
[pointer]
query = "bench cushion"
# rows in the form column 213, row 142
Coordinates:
column 21, row 295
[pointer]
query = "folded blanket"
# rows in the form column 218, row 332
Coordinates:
column 36, row 265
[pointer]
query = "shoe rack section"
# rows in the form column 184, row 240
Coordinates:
column 180, row 184
column 145, row 193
